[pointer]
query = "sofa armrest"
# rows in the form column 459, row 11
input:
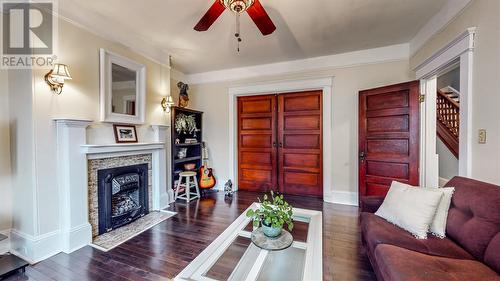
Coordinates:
column 370, row 204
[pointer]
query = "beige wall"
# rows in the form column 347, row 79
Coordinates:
column 451, row 78
column 448, row 163
column 213, row 100
column 79, row 49
column 5, row 169
column 485, row 15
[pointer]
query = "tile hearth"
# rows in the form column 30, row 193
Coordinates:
column 114, row 238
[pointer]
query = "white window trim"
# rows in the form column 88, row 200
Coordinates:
column 324, row 84
column 461, row 49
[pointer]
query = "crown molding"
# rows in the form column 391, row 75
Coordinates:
column 450, row 10
column 94, row 23
column 368, row 56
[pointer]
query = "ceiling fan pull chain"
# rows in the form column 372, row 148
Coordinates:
column 237, row 34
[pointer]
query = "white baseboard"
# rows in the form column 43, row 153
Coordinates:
column 35, row 249
column 343, row 198
column 76, row 238
column 335, row 197
column 5, row 244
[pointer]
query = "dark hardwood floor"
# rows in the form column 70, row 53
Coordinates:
column 164, row 250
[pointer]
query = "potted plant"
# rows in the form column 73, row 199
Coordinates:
column 272, row 214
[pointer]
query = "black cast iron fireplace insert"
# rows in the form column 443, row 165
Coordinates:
column 122, row 196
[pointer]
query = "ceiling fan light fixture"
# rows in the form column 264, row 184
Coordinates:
column 237, row 6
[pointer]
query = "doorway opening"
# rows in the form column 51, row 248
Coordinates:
column 458, row 56
column 448, row 122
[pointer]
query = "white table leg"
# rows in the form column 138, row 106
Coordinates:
column 177, row 189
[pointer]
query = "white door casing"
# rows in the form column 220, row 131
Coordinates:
column 461, row 49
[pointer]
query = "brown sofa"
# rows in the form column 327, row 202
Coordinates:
column 471, row 250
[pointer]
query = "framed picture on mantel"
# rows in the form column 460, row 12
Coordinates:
column 125, row 133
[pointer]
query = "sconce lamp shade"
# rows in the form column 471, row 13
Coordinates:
column 170, row 101
column 55, row 78
column 60, row 71
column 167, row 102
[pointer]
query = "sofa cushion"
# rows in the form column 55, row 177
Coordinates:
column 492, row 254
column 410, row 208
column 438, row 225
column 474, row 216
column 397, row 264
column 377, row 231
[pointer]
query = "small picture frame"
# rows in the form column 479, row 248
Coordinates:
column 125, row 133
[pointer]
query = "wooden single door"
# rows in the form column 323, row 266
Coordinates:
column 388, row 137
column 257, row 148
column 300, row 145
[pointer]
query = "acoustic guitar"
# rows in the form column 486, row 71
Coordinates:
column 207, row 179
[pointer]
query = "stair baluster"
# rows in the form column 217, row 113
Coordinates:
column 448, row 121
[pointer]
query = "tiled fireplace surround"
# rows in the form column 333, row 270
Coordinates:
column 94, row 165
column 78, row 161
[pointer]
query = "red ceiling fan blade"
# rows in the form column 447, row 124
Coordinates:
column 210, row 17
column 261, row 18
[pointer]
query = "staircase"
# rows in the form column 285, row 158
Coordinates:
column 448, row 118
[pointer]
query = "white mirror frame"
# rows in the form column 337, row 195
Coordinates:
column 107, row 58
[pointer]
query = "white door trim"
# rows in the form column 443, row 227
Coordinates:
column 324, row 84
column 461, row 49
column 429, row 161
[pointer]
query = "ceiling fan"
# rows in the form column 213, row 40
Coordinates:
column 253, row 7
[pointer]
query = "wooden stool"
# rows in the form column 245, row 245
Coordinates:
column 191, row 181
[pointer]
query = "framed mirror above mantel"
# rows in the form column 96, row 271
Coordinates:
column 122, row 89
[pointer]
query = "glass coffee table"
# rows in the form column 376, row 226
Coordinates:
column 233, row 256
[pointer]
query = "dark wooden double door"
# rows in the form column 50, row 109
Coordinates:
column 280, row 143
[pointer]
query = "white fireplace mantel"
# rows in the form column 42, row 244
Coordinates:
column 73, row 152
column 120, row 147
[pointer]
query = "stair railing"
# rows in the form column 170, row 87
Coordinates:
column 448, row 113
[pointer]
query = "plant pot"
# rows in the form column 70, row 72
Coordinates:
column 270, row 231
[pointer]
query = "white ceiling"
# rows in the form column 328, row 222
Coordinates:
column 305, row 29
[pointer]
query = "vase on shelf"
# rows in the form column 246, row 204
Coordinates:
column 182, row 153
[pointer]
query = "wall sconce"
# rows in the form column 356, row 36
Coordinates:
column 55, row 78
column 166, row 103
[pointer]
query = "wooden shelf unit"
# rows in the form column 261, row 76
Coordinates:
column 188, row 159
column 194, row 150
column 187, row 144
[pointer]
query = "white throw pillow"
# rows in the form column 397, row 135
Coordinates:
column 438, row 225
column 410, row 208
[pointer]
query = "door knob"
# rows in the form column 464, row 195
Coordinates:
column 362, row 156
column 274, row 144
column 281, row 144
